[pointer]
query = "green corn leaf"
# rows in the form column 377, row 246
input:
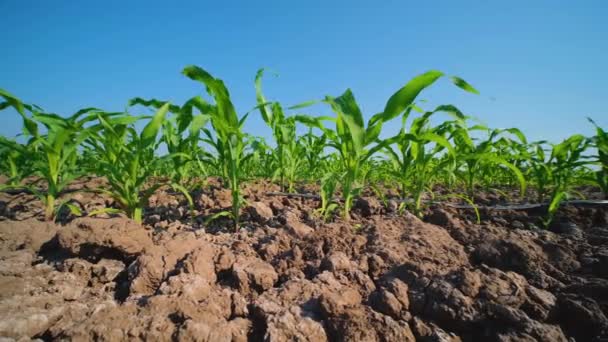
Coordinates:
column 518, row 133
column 215, row 216
column 310, row 121
column 218, row 90
column 12, row 101
column 30, row 127
column 183, row 118
column 479, row 128
column 452, row 110
column 348, row 111
column 61, row 137
column 501, row 161
column 13, row 145
column 198, row 122
column 304, row 104
column 186, row 194
column 470, row 202
column 372, row 132
column 148, row 134
column 154, row 103
column 203, row 106
column 75, row 210
column 405, row 96
column 350, row 108
column 242, row 120
column 462, row 84
column 438, row 139
column 104, row 211
column 91, row 111
column 266, row 114
column 556, row 201
column 375, row 118
column 383, row 144
column 124, row 120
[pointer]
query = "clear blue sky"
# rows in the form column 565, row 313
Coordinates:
column 539, row 65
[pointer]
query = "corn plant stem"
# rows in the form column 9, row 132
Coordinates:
column 50, row 207
column 236, row 196
column 137, row 215
column 418, row 201
column 281, row 166
column 13, row 169
column 403, row 189
column 348, row 196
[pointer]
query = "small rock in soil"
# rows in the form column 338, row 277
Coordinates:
column 260, row 212
column 568, row 229
column 518, row 225
column 439, row 217
column 252, row 273
column 582, row 317
column 335, row 262
column 368, row 206
column 115, row 238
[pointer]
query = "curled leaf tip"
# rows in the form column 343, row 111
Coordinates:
column 464, row 85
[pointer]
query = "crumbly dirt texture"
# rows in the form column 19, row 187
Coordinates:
column 286, row 275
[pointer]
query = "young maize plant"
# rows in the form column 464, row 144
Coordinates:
column 312, row 146
column 288, row 151
column 273, row 116
column 230, row 142
column 183, row 150
column 414, row 163
column 514, row 152
column 354, row 141
column 478, row 160
column 262, row 163
column 328, row 189
column 564, row 163
column 538, row 171
column 126, row 158
column 54, row 153
column 351, row 139
column 293, row 161
column 15, row 162
column 601, row 144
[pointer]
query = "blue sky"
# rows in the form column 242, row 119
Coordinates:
column 541, row 66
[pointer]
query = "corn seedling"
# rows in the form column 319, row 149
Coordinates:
column 538, row 170
column 15, row 162
column 414, row 163
column 181, row 136
column 328, row 189
column 262, row 163
column 126, row 158
column 601, row 144
column 479, row 160
column 354, row 141
column 351, row 139
column 54, row 152
column 288, row 151
column 565, row 160
column 313, row 146
column 230, row 140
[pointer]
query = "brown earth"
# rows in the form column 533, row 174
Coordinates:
column 286, row 275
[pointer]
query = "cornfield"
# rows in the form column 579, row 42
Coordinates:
column 343, row 155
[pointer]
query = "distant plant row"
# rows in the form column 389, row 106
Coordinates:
column 343, row 153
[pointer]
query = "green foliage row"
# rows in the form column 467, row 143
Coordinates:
column 344, row 152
